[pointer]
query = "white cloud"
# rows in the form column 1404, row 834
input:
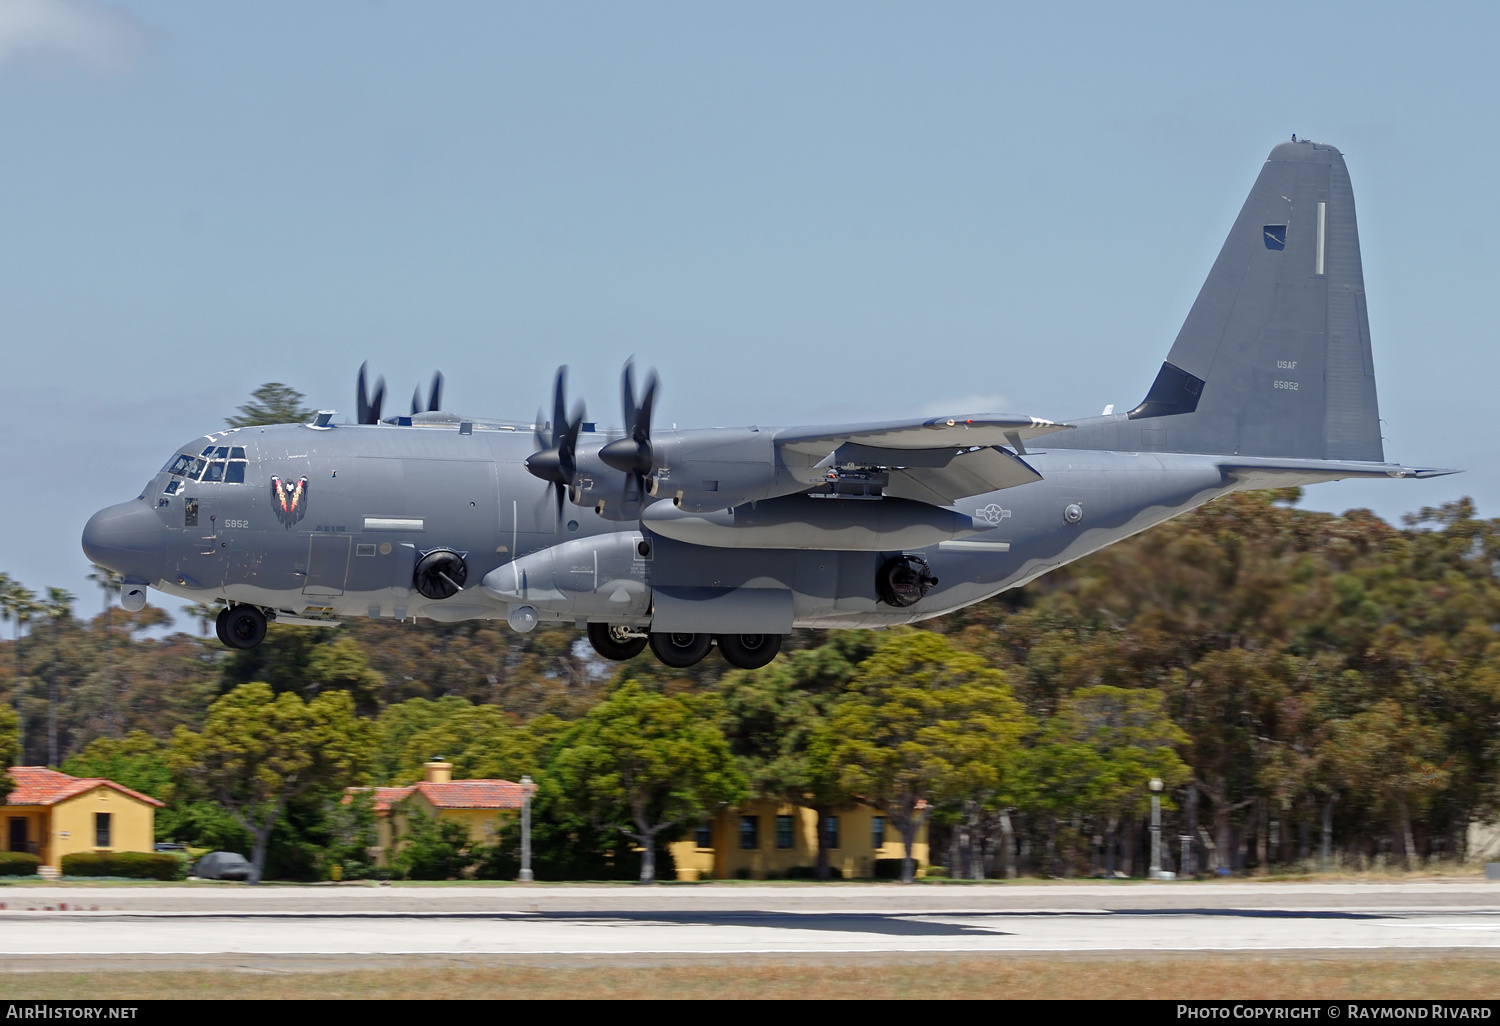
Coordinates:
column 77, row 31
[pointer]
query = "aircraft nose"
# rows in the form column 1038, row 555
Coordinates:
column 128, row 538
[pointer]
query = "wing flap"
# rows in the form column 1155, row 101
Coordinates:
column 933, row 433
column 967, row 473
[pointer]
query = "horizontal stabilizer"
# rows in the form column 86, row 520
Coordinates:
column 1270, row 472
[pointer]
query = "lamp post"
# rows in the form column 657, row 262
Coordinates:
column 526, row 788
column 1156, row 786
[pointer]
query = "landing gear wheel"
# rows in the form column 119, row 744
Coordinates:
column 613, row 642
column 680, row 651
column 219, row 628
column 244, row 627
column 749, row 651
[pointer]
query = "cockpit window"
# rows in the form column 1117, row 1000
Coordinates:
column 173, row 487
column 217, row 463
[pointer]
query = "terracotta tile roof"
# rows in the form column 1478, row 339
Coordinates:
column 38, row 785
column 457, row 794
column 473, row 794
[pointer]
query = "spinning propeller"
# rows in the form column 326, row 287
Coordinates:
column 632, row 454
column 434, row 399
column 559, row 438
column 369, row 406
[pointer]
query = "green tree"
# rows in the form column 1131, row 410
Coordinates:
column 259, row 750
column 340, row 665
column 58, row 608
column 271, row 403
column 1098, row 755
column 1384, row 752
column 431, row 848
column 772, row 718
column 109, row 582
column 641, row 763
column 19, row 605
column 922, row 722
column 352, row 825
column 9, row 749
column 137, row 760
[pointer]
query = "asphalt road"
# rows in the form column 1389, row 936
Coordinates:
column 102, row 925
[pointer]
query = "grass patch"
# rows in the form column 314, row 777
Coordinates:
column 1444, row 975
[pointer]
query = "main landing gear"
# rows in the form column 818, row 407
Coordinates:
column 241, row 626
column 678, row 650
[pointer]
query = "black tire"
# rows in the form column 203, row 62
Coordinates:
column 244, row 627
column 219, row 623
column 604, row 638
column 680, row 651
column 749, row 651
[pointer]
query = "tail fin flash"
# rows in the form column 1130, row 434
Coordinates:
column 1274, row 358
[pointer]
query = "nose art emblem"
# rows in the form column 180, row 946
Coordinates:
column 289, row 500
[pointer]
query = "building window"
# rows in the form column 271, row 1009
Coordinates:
column 749, row 833
column 783, row 832
column 101, row 830
column 830, row 832
column 703, row 837
column 877, row 831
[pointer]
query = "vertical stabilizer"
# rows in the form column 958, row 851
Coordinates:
column 1274, row 358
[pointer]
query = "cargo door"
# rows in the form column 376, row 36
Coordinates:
column 327, row 564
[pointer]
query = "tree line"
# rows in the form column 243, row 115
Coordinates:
column 1311, row 690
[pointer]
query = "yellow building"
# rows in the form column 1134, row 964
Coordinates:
column 764, row 839
column 50, row 814
column 478, row 804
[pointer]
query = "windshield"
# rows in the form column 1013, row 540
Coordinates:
column 216, row 464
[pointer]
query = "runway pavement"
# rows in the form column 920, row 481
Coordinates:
column 101, row 925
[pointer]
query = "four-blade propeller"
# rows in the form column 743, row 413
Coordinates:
column 632, row 454
column 556, row 462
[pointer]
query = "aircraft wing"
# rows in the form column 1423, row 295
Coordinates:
column 937, row 461
column 937, row 432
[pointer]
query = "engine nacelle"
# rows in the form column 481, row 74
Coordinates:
column 599, row 578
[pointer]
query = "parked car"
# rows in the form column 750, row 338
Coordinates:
column 221, row 865
column 169, row 846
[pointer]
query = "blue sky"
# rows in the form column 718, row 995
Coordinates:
column 798, row 213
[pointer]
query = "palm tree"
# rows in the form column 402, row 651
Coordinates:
column 18, row 603
column 109, row 583
column 58, row 607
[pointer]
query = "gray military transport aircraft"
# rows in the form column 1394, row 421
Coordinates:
column 735, row 536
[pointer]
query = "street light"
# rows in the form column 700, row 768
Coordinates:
column 526, row 788
column 1156, row 786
